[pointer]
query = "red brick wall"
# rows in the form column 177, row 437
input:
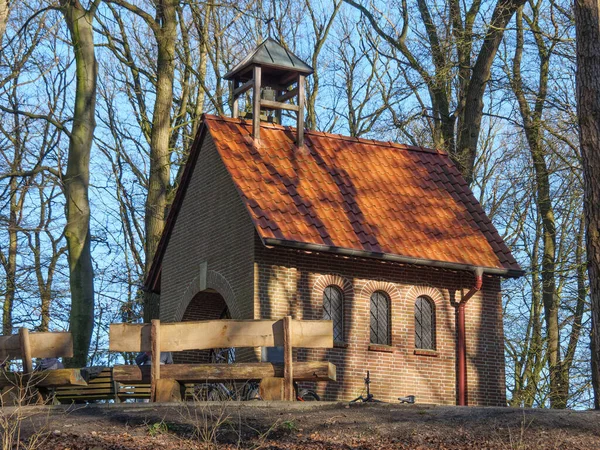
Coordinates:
column 292, row 282
column 212, row 229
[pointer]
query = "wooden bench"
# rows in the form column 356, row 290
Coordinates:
column 26, row 346
column 101, row 387
column 166, row 380
column 133, row 391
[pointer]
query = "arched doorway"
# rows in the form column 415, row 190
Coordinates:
column 205, row 305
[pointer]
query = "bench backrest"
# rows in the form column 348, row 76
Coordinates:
column 208, row 334
column 26, row 346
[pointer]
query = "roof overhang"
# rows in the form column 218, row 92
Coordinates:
column 508, row 273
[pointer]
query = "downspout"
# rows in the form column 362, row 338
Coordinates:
column 461, row 341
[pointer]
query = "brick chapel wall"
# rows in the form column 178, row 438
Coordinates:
column 292, row 282
column 213, row 226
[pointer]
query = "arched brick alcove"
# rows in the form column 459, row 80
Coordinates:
column 205, row 305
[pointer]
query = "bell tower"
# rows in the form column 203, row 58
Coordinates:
column 275, row 76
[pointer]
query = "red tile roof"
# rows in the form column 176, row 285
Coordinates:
column 357, row 196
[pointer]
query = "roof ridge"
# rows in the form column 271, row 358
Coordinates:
column 365, row 141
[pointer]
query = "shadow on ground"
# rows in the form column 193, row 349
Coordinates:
column 323, row 425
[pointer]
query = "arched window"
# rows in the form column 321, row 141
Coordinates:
column 424, row 323
column 380, row 318
column 333, row 309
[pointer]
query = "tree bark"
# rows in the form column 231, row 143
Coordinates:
column 587, row 20
column 160, row 154
column 469, row 123
column 4, row 10
column 76, row 180
column 10, row 264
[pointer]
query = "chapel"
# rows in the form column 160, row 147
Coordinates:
column 384, row 239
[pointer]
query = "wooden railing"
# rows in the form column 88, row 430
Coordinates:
column 173, row 337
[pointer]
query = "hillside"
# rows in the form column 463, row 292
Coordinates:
column 306, row 426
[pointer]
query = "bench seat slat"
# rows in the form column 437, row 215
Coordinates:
column 45, row 378
column 104, row 385
column 199, row 373
column 76, row 393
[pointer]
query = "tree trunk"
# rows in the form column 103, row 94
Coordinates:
column 534, row 352
column 159, row 180
column 10, row 265
column 587, row 22
column 203, row 31
column 321, row 30
column 469, row 124
column 532, row 124
column 9, row 261
column 76, row 181
column 4, row 10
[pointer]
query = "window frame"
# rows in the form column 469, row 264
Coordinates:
column 375, row 300
column 339, row 335
column 420, row 324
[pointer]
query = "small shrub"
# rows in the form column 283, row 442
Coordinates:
column 158, row 428
column 289, row 426
column 13, row 414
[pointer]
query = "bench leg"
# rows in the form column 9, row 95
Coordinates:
column 271, row 388
column 168, row 390
column 45, row 396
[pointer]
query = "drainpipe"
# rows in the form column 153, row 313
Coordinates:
column 462, row 344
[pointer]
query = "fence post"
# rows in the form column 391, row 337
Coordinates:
column 288, row 369
column 155, row 367
column 25, row 351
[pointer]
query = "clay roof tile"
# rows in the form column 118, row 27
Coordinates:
column 358, row 194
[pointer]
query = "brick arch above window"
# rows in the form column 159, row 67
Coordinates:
column 332, row 280
column 215, row 281
column 389, row 288
column 424, row 291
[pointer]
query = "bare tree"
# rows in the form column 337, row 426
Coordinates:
column 456, row 130
column 47, row 249
column 26, row 139
column 587, row 19
column 321, row 27
column 4, row 12
column 162, row 22
column 79, row 21
column 16, row 197
column 532, row 116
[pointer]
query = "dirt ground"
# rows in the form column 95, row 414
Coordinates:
column 277, row 425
